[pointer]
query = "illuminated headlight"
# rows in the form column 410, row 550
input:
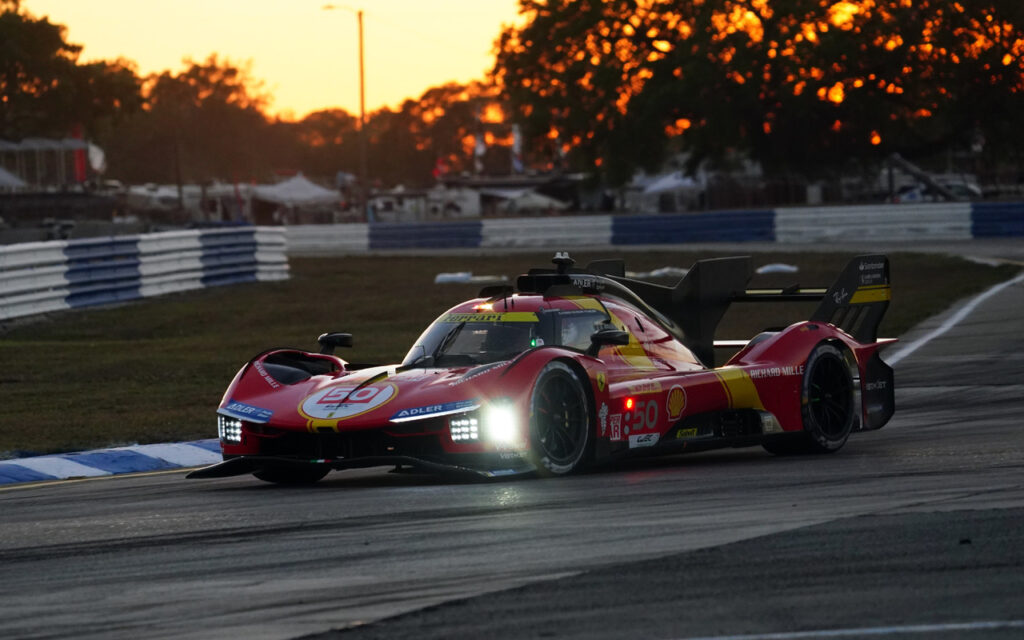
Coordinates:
column 464, row 428
column 501, row 424
column 229, row 429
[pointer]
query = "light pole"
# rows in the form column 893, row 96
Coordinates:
column 364, row 185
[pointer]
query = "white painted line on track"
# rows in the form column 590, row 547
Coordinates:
column 950, row 322
column 985, row 625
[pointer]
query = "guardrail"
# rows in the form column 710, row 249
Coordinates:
column 38, row 277
column 885, row 222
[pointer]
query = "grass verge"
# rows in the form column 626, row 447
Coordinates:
column 154, row 370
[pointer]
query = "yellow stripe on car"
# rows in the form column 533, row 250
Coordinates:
column 739, row 389
column 876, row 293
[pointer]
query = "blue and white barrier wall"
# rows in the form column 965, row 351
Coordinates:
column 107, row 462
column 37, row 277
column 889, row 223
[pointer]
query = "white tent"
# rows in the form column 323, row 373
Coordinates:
column 669, row 182
column 296, row 191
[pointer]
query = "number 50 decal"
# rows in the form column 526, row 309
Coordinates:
column 338, row 403
column 645, row 415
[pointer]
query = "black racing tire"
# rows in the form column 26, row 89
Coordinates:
column 827, row 405
column 310, row 474
column 561, row 421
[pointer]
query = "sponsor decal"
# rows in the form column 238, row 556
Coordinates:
column 615, row 426
column 603, row 417
column 346, row 401
column 644, row 415
column 872, row 272
column 777, row 372
column 260, row 369
column 676, row 402
column 479, row 371
column 877, row 293
column 876, row 386
column 840, row 296
column 643, row 440
column 510, row 316
column 243, row 411
column 686, row 433
column 587, row 283
column 602, row 381
column 434, row 409
column 651, row 386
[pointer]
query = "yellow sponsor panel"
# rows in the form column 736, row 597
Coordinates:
column 510, row 316
column 686, row 433
column 879, row 293
column 740, row 389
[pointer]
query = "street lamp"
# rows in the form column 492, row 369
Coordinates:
column 364, row 186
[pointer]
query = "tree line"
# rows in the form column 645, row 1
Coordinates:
column 814, row 88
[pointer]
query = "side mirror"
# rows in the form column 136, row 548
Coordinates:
column 606, row 337
column 330, row 341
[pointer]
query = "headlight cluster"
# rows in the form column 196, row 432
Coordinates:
column 229, row 429
column 464, row 428
column 496, row 423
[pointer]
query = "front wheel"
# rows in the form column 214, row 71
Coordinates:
column 560, row 422
column 827, row 405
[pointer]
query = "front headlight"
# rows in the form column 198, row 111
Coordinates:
column 464, row 428
column 501, row 423
column 229, row 429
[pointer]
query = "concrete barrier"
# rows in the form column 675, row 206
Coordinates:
column 997, row 219
column 39, row 277
column 712, row 226
column 328, row 238
column 883, row 222
column 580, row 231
column 894, row 223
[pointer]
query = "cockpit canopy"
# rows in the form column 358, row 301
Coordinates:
column 475, row 338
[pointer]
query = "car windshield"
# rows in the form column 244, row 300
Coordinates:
column 466, row 339
column 469, row 339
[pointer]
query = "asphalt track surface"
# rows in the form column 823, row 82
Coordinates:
column 916, row 530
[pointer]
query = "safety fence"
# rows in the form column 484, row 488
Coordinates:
column 888, row 223
column 38, row 277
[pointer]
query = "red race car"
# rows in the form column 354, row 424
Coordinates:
column 573, row 367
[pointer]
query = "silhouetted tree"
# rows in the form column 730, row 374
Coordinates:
column 801, row 85
column 44, row 91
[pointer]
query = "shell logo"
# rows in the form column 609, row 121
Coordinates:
column 676, row 402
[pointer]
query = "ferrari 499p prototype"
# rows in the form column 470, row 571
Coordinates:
column 571, row 368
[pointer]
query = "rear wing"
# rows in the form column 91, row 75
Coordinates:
column 693, row 308
column 858, row 299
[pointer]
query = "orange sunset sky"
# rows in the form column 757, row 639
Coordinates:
column 306, row 57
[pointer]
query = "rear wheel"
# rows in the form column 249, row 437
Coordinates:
column 560, row 423
column 827, row 405
column 293, row 475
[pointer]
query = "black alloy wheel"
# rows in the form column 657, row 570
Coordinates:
column 560, row 422
column 828, row 405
